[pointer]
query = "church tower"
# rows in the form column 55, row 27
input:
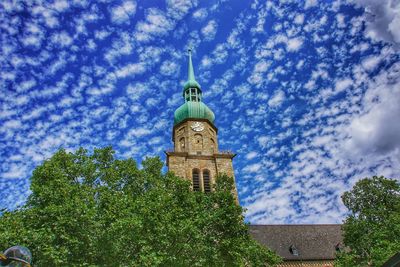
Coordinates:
column 196, row 156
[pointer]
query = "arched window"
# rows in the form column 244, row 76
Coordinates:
column 196, row 180
column 206, row 181
column 213, row 148
column 182, row 144
column 198, row 142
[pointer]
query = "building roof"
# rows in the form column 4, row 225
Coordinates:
column 312, row 242
column 393, row 261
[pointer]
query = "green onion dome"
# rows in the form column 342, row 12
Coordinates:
column 193, row 110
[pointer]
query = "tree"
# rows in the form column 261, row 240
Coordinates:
column 372, row 229
column 95, row 210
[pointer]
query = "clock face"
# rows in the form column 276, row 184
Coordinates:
column 197, row 126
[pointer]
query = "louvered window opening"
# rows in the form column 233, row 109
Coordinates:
column 206, row 181
column 196, row 180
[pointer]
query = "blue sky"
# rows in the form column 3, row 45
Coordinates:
column 306, row 93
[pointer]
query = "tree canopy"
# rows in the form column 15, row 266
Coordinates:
column 95, row 210
column 372, row 229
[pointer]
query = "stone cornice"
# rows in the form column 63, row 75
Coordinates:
column 196, row 156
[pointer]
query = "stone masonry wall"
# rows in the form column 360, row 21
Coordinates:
column 177, row 164
column 208, row 144
column 198, row 150
column 224, row 165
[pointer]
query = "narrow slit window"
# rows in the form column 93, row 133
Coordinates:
column 187, row 95
column 194, row 95
column 182, row 143
column 206, row 181
column 196, row 180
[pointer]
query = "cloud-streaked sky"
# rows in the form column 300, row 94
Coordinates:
column 307, row 93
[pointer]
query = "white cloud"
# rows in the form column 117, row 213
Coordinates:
column 177, row 9
column 294, row 44
column 209, row 30
column 263, row 141
column 252, row 168
column 136, row 90
column 343, row 84
column 200, row 14
column 169, row 68
column 310, row 3
column 130, row 70
column 361, row 47
column 277, row 99
column 377, row 130
column 15, row 171
column 11, row 124
column 26, row 85
column 155, row 24
column 123, row 13
column 62, row 39
column 139, row 132
column 251, row 155
column 262, row 66
column 371, row 62
column 300, row 64
column 340, row 20
column 383, row 19
column 60, row 5
column 299, row 19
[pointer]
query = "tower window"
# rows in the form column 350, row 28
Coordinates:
column 198, row 142
column 212, row 145
column 206, row 181
column 196, row 180
column 187, row 95
column 181, row 130
column 193, row 94
column 182, row 143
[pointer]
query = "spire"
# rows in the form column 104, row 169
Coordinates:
column 191, row 81
column 190, row 67
column 193, row 107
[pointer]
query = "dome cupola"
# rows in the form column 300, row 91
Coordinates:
column 193, row 107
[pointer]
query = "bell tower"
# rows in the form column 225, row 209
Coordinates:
column 196, row 155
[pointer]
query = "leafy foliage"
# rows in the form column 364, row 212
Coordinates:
column 372, row 230
column 95, row 210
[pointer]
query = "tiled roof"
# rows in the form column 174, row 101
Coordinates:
column 313, row 242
